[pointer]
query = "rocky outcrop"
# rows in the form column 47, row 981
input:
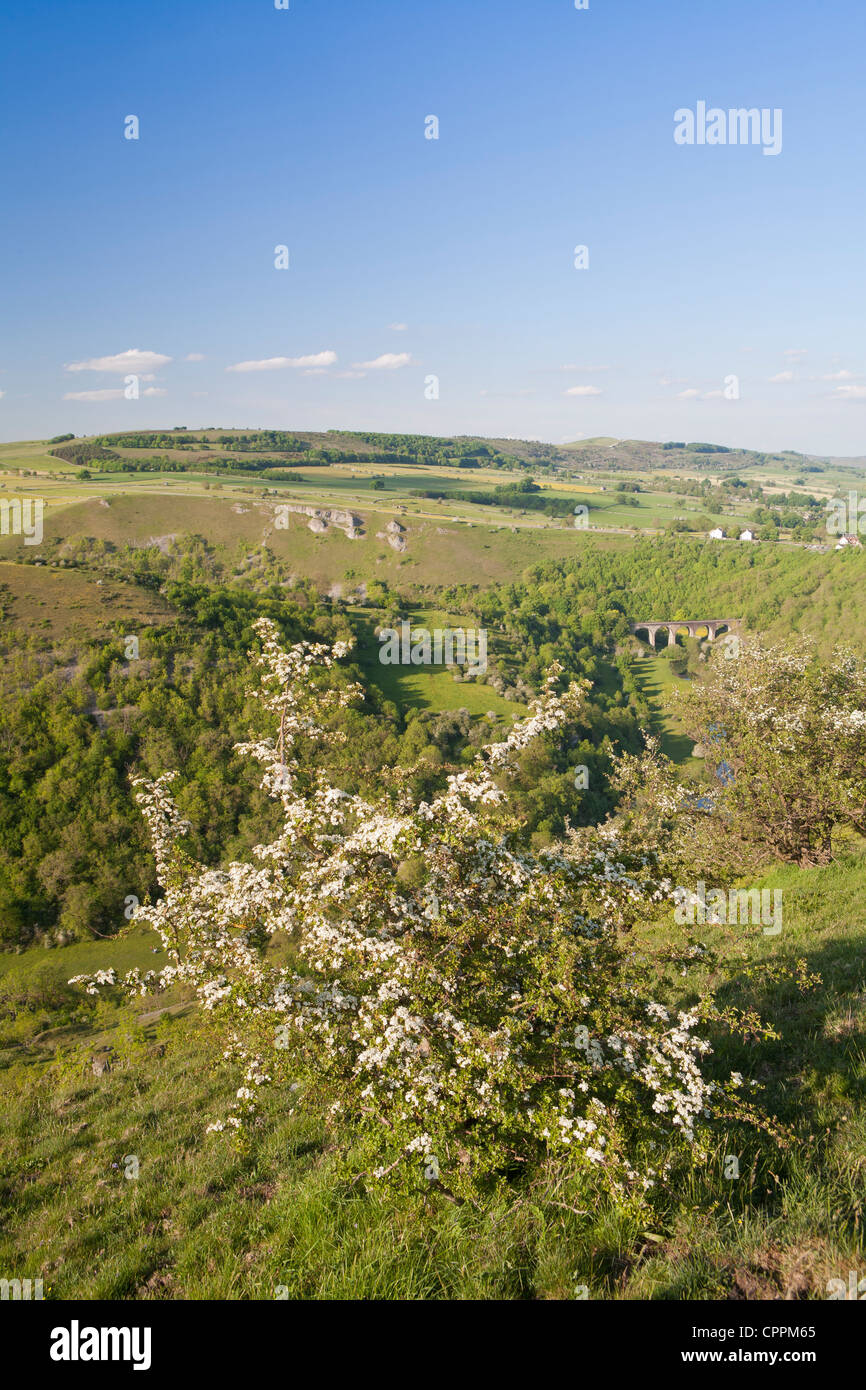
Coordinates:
column 323, row 517
column 394, row 534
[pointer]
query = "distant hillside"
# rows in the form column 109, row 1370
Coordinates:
column 223, row 450
column 682, row 455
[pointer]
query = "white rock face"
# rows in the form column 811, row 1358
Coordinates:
column 321, row 518
column 394, row 534
column 394, row 540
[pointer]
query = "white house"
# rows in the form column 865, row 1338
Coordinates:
column 844, row 541
column 747, row 535
column 717, row 534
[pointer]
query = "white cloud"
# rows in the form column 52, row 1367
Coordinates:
column 399, row 327
column 838, row 376
column 194, row 357
column 849, row 393
column 577, row 367
column 781, row 377
column 795, row 352
column 693, row 394
column 133, row 361
column 273, row 364
column 350, row 376
column 315, row 359
column 2, row 394
column 114, row 393
column 109, row 393
column 583, row 391
column 386, row 363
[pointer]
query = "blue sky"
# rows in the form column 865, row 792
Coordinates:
column 453, row 258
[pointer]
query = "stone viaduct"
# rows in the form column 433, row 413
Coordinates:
column 712, row 626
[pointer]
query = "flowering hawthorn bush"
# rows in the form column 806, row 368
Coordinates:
column 791, row 726
column 458, row 1010
column 787, row 728
column 663, row 828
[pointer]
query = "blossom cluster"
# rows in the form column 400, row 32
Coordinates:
column 453, row 996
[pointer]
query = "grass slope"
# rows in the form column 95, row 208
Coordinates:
column 203, row 1220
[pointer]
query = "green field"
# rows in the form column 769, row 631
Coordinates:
column 657, row 679
column 606, row 464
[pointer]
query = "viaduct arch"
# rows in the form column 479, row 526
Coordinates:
column 693, row 626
